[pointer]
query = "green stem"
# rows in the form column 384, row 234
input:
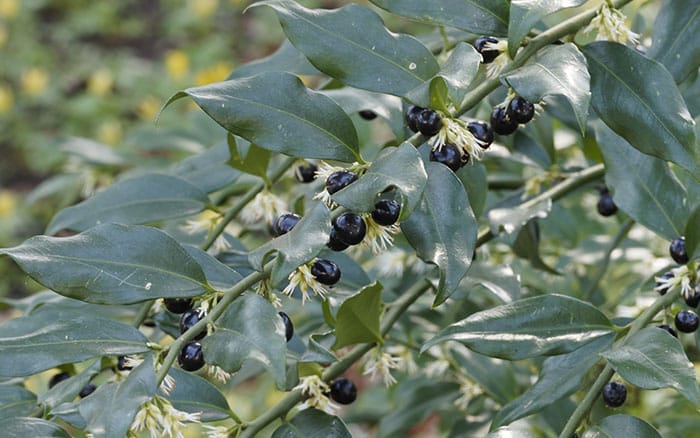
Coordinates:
column 143, row 314
column 603, row 266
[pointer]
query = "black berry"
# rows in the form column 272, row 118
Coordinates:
column 349, row 228
column 306, row 173
column 189, row 319
column 87, row 390
column 336, row 244
column 191, row 357
column 677, row 251
column 58, row 378
column 339, row 180
column 343, row 391
column 285, row 223
column 386, row 212
column 288, row 326
column 520, row 110
column 326, row 272
column 606, row 206
column 178, row 305
column 449, row 155
column 693, row 299
column 500, row 122
column 121, row 364
column 662, row 290
column 368, row 114
column 411, row 115
column 668, row 329
column 428, row 122
column 482, row 132
column 488, row 55
column 614, row 394
column 686, row 321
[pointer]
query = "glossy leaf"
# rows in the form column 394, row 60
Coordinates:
column 474, row 180
column 675, row 42
column 248, row 158
column 286, row 58
column 555, row 71
column 442, row 229
column 69, row 389
column 526, row 245
column 357, row 319
column 318, row 349
column 111, row 264
column 312, row 423
column 525, row 14
column 147, row 198
column 622, row 425
column 250, row 328
column 692, row 234
column 512, row 219
column 195, row 394
column 208, row 170
column 388, row 107
column 218, row 275
column 277, row 112
column 500, row 280
column 352, row 45
column 489, row 17
column 16, row 401
column 651, row 359
column 31, row 427
column 644, row 186
column 543, row 325
column 497, row 377
column 638, row 99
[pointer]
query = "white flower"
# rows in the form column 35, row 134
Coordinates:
column 610, row 25
column 455, row 132
column 218, row 373
column 265, row 206
column 316, row 389
column 390, row 263
column 680, row 277
column 221, row 244
column 221, row 431
column 168, row 384
column 303, row 278
column 439, row 365
column 380, row 363
column 160, row 418
column 495, row 67
column 378, row 238
column 468, row 390
column 405, row 355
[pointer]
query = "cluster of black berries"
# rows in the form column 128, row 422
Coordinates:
column 487, row 54
column 423, row 120
column 60, row 377
column 191, row 357
column 505, row 120
column 606, row 206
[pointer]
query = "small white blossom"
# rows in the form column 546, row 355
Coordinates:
column 378, row 238
column 316, row 389
column 610, row 25
column 439, row 365
column 160, row 418
column 221, row 244
column 681, row 277
column 380, row 363
column 494, row 68
column 221, row 431
column 405, row 355
column 390, row 263
column 168, row 384
column 265, row 206
column 455, row 132
column 218, row 373
column 303, row 278
column 468, row 390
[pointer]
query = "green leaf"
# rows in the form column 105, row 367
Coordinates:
column 512, row 219
column 69, row 389
column 488, row 17
column 285, row 58
column 146, row 198
column 675, row 42
column 621, row 425
column 525, row 14
column 312, row 423
column 277, row 112
column 317, row 351
column 651, row 359
column 248, row 158
column 250, row 328
column 352, row 45
column 692, row 234
column 16, row 401
column 555, row 71
column 638, row 99
column 561, row 376
column 31, row 427
column 300, row 245
column 442, row 229
column 111, row 264
column 539, row 326
column 643, row 186
column 497, row 377
column 358, row 318
column 45, row 339
column 526, row 245
column 217, row 274
column 474, row 180
column 401, row 168
column 195, row 394
column 208, row 170
column 388, row 107
column 500, row 280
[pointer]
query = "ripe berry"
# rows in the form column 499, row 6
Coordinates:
column 189, row 319
column 677, row 250
column 87, row 390
column 520, row 110
column 58, row 378
column 326, row 272
column 500, row 122
column 178, row 305
column 368, row 114
column 339, row 180
column 386, row 212
column 121, row 364
column 482, row 132
column 428, row 122
column 686, row 321
column 349, row 228
column 336, row 244
column 306, row 173
column 668, row 329
column 606, row 206
column 343, row 391
column 662, row 290
column 449, row 155
column 288, row 326
column 285, row 223
column 488, row 55
column 694, row 299
column 614, row 394
column 411, row 115
column 191, row 357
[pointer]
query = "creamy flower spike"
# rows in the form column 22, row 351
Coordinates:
column 222, row 431
column 610, row 25
column 218, row 373
column 316, row 389
column 468, row 390
column 265, row 206
column 493, row 69
column 455, row 131
column 159, row 418
column 378, row 237
column 303, row 278
column 380, row 363
column 681, row 277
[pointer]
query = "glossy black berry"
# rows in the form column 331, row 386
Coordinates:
column 668, row 329
column 520, row 109
column 677, row 251
column 285, row 223
column 178, row 305
column 288, row 326
column 58, row 378
column 87, row 390
column 305, row 173
column 339, row 180
column 662, row 290
column 350, row 228
column 449, row 155
column 686, row 321
column 482, row 132
column 428, row 122
column 189, row 319
column 343, row 391
column 488, row 55
column 694, row 299
column 368, row 114
column 325, row 272
column 614, row 394
column 386, row 212
column 191, row 357
column 500, row 123
column 606, row 206
column 121, row 364
column 335, row 243
column 411, row 116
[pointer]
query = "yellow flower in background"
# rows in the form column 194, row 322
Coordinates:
column 100, row 82
column 8, row 203
column 203, row 8
column 7, row 99
column 216, row 73
column 177, row 63
column 109, row 132
column 34, row 81
column 9, row 8
column 148, row 108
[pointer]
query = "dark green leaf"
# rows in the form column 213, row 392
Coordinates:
column 286, row 58
column 544, row 325
column 358, row 317
column 497, row 377
column 111, row 264
column 319, row 348
column 312, row 423
column 527, row 246
column 31, row 427
column 69, row 389
column 218, row 275
column 676, row 44
column 525, row 14
column 638, row 99
column 511, row 219
column 621, row 425
column 474, row 180
column 388, row 107
column 208, row 170
column 352, row 45
column 16, row 401
column 195, row 394
column 248, row 158
column 692, row 234
column 500, row 280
